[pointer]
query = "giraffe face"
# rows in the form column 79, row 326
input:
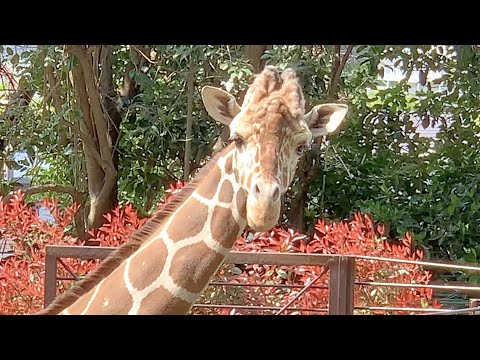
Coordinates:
column 271, row 132
column 268, row 145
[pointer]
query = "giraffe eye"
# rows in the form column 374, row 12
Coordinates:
column 237, row 139
column 301, row 149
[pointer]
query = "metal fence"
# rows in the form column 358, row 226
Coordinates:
column 341, row 284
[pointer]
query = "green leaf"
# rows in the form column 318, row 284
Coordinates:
column 14, row 59
column 282, row 273
column 9, row 51
column 470, row 255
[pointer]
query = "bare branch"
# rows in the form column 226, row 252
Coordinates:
column 143, row 53
column 48, row 95
column 335, row 65
column 78, row 81
column 77, row 196
column 53, row 85
column 130, row 87
column 86, row 130
column 337, row 69
column 100, row 122
column 408, row 73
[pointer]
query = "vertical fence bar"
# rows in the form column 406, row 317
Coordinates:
column 474, row 303
column 50, row 288
column 341, row 286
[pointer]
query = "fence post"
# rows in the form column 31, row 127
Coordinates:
column 341, row 286
column 474, row 303
column 50, row 288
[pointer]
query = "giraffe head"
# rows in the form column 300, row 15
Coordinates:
column 270, row 131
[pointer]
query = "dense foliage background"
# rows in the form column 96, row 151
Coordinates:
column 108, row 125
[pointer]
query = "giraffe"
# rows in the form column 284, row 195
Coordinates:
column 169, row 261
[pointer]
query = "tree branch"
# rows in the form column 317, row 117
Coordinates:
column 78, row 82
column 86, row 131
column 109, row 95
column 100, row 122
column 254, row 55
column 143, row 51
column 76, row 195
column 337, row 69
column 188, row 136
column 89, row 146
column 53, row 84
column 130, row 88
column 335, row 65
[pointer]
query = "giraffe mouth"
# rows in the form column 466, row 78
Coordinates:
column 261, row 226
column 264, row 221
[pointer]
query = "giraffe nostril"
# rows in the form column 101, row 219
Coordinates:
column 256, row 190
column 276, row 193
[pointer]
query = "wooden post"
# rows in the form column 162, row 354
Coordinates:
column 474, row 303
column 50, row 288
column 341, row 286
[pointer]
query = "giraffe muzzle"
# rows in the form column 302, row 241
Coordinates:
column 263, row 205
column 263, row 191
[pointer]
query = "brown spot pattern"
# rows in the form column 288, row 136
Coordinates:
column 119, row 299
column 223, row 226
column 207, row 189
column 147, row 265
column 81, row 303
column 229, row 165
column 188, row 220
column 226, row 192
column 193, row 265
column 242, row 203
column 160, row 301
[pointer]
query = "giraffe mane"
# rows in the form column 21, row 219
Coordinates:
column 115, row 259
column 271, row 83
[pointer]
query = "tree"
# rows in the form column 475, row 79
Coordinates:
column 97, row 125
column 155, row 131
column 113, row 121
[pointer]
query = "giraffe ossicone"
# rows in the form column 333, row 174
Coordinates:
column 168, row 262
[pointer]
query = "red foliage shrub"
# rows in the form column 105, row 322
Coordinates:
column 22, row 275
column 359, row 236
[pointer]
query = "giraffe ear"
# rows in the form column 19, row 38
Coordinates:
column 220, row 105
column 325, row 118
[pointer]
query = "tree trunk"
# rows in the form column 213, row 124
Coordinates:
column 254, row 55
column 305, row 173
column 98, row 119
column 99, row 127
column 298, row 193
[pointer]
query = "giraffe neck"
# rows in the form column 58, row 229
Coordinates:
column 167, row 274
